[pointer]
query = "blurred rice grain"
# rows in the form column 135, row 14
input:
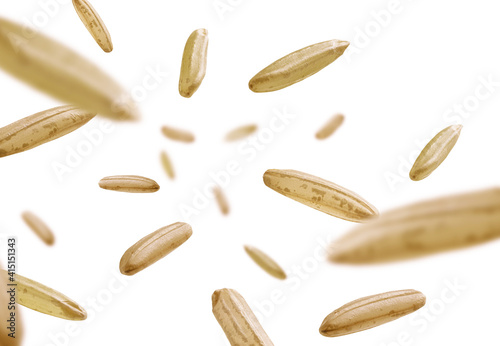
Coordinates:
column 39, row 227
column 330, row 127
column 221, row 199
column 265, row 262
column 240, row 132
column 424, row 228
column 57, row 70
column 167, row 165
column 176, row 134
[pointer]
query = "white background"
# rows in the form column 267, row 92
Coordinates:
column 395, row 88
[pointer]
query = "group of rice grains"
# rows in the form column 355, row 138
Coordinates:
column 445, row 223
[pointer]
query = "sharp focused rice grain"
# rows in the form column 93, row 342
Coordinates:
column 94, row 24
column 237, row 320
column 320, row 194
column 435, row 152
column 297, row 66
column 129, row 183
column 194, row 63
column 154, row 247
column 370, row 312
column 40, row 128
column 41, row 298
